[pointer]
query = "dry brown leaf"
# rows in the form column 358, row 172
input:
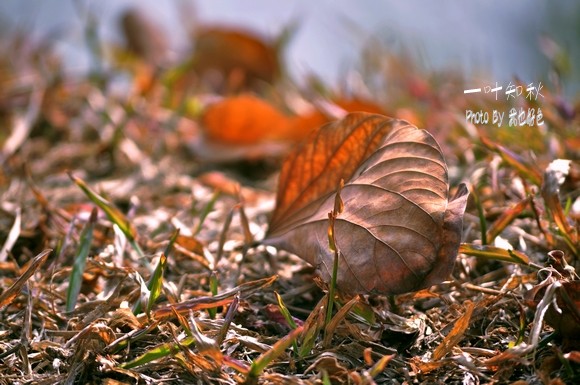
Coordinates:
column 143, row 37
column 241, row 57
column 456, row 334
column 7, row 296
column 565, row 317
column 399, row 231
column 328, row 362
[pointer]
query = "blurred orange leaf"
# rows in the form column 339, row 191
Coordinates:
column 190, row 243
column 243, row 120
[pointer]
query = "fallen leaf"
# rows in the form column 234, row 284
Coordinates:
column 399, row 231
column 243, row 120
column 7, row 296
column 143, row 38
column 241, row 57
column 328, row 362
column 456, row 334
column 248, row 127
column 565, row 317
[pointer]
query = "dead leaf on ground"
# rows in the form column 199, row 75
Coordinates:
column 241, row 58
column 243, row 120
column 456, row 334
column 399, row 231
column 248, row 127
column 143, row 37
column 11, row 293
column 565, row 317
column 241, row 128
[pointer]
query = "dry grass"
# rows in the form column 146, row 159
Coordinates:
column 215, row 316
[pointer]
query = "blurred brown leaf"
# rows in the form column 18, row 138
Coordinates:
column 399, row 231
column 143, row 38
column 242, row 58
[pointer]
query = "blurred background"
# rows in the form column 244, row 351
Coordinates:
column 492, row 40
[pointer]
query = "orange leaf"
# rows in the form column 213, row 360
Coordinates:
column 243, row 120
column 329, row 155
column 190, row 243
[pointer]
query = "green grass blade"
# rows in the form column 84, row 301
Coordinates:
column 172, row 241
column 213, row 288
column 161, row 351
column 232, row 310
column 113, row 213
column 325, row 378
column 76, row 275
column 144, row 296
column 331, row 326
column 287, row 316
column 208, row 208
column 277, row 350
column 156, row 283
column 338, row 208
column 497, row 253
column 312, row 327
column 285, row 312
